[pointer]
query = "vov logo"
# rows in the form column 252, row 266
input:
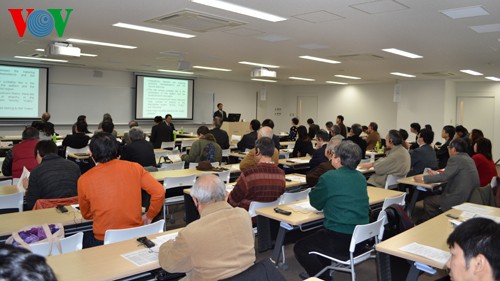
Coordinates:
column 40, row 23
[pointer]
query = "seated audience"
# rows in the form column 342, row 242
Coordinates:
column 138, row 150
column 21, row 155
column 329, row 128
column 276, row 139
column 475, row 251
column 442, row 154
column 221, row 136
column 404, row 136
column 397, row 161
column 461, row 176
column 373, row 136
column 355, row 138
column 250, row 159
column 340, row 122
column 53, row 177
column 303, row 144
column 335, row 133
column 484, row 161
column 217, row 246
column 43, row 133
column 318, row 155
column 248, row 140
column 80, row 119
column 292, row 135
column 44, row 123
column 423, row 156
column 131, row 124
column 161, row 132
column 263, row 183
column 106, row 118
column 19, row 264
column 475, row 134
column 313, row 128
column 342, row 196
column 110, row 193
column 313, row 175
column 78, row 139
column 204, row 149
column 415, row 129
column 463, row 133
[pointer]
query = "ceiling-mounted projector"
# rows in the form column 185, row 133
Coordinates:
column 262, row 72
column 62, row 49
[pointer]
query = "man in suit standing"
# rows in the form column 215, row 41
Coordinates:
column 461, row 176
column 220, row 113
column 161, row 133
column 168, row 121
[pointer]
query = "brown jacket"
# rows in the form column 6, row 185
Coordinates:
column 217, row 246
column 250, row 161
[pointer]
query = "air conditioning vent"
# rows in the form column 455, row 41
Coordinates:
column 194, row 21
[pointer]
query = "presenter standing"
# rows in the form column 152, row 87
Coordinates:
column 220, row 113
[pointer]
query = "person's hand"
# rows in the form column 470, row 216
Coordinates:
column 146, row 220
column 418, row 178
column 432, row 172
column 25, row 183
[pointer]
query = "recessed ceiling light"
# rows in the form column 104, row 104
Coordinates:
column 402, row 74
column 402, row 53
column 348, row 77
column 81, row 54
column 319, row 59
column 471, row 72
column 42, row 59
column 240, row 10
column 211, row 68
column 335, row 82
column 259, row 64
column 176, row 71
column 493, row 78
column 153, row 30
column 301, row 78
column 263, row 80
column 465, row 12
column 74, row 40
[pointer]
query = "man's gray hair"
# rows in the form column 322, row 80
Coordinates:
column 349, row 154
column 266, row 132
column 136, row 133
column 336, row 129
column 332, row 144
column 209, row 189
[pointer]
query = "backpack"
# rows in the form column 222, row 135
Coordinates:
column 209, row 153
column 397, row 221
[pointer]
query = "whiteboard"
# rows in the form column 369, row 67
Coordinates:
column 66, row 102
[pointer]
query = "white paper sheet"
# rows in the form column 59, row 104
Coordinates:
column 304, row 207
column 24, row 175
column 149, row 255
column 298, row 161
column 427, row 252
column 473, row 209
column 296, row 178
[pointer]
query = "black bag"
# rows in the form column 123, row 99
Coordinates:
column 397, row 221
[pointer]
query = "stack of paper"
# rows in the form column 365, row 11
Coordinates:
column 427, row 252
column 149, row 255
column 296, row 178
column 304, row 207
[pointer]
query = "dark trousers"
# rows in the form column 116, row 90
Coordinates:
column 89, row 240
column 327, row 242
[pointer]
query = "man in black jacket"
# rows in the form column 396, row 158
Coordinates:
column 221, row 136
column 161, row 132
column 138, row 150
column 248, row 140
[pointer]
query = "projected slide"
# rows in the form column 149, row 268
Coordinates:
column 22, row 92
column 161, row 96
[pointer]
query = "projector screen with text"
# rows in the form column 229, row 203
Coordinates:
column 23, row 92
column 160, row 96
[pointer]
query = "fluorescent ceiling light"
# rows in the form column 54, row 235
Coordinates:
column 319, row 59
column 465, row 12
column 74, row 40
column 335, row 82
column 81, row 54
column 348, row 77
column 493, row 78
column 153, row 30
column 211, row 68
column 471, row 72
column 42, row 59
column 402, row 53
column 259, row 64
column 263, row 80
column 239, row 10
column 301, row 78
column 402, row 74
column 176, row 71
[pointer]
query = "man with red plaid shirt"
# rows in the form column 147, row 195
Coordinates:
column 262, row 183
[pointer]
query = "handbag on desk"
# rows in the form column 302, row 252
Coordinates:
column 50, row 233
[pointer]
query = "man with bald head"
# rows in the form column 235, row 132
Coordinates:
column 250, row 160
column 217, row 246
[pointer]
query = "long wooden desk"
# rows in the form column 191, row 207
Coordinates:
column 7, row 189
column 433, row 233
column 417, row 187
column 101, row 263
column 72, row 220
column 302, row 219
column 161, row 175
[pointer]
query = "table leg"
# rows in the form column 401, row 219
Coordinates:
column 280, row 240
column 413, row 273
column 383, row 267
column 190, row 209
column 263, row 234
column 413, row 201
